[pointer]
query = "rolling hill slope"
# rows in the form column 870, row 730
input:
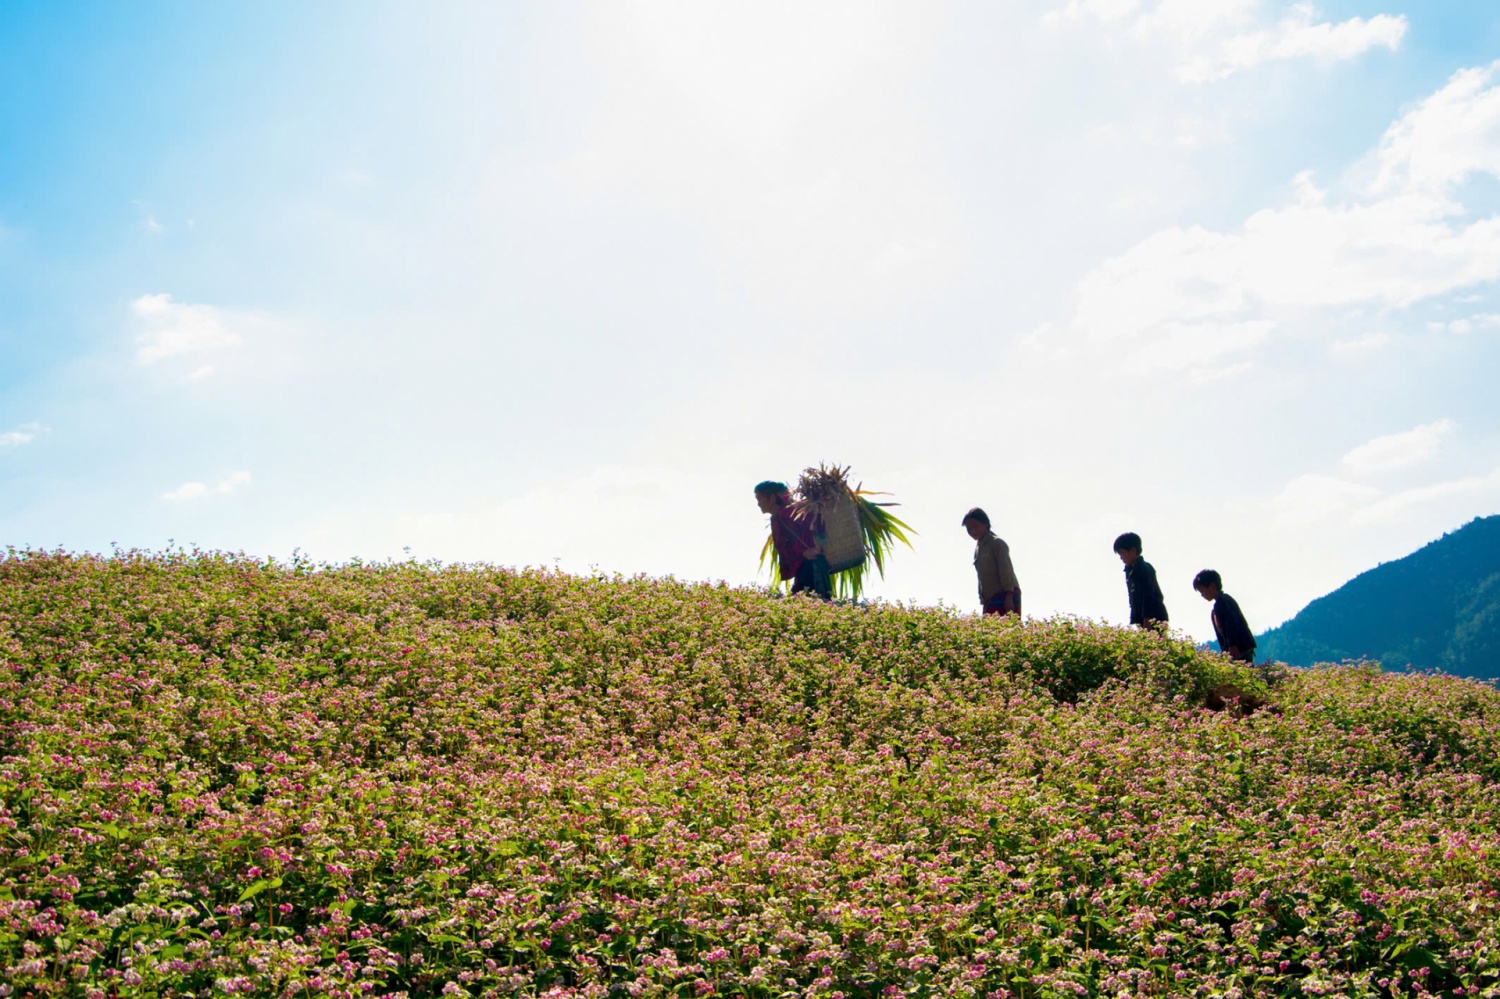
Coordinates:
column 228, row 777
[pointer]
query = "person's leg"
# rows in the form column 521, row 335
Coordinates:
column 822, row 579
column 804, row 577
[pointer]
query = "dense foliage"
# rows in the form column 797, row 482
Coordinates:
column 1437, row 608
column 219, row 776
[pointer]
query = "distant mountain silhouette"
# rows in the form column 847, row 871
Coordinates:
column 1437, row 608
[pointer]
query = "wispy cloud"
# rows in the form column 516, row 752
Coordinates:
column 1190, row 297
column 1466, row 324
column 1359, row 346
column 149, row 221
column 1471, row 492
column 1299, row 36
column 1213, row 39
column 198, row 490
column 1311, row 498
column 1447, row 138
column 1397, row 451
column 173, row 328
column 1347, row 497
column 24, row 434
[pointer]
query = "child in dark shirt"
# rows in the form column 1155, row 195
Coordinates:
column 1147, row 608
column 1236, row 640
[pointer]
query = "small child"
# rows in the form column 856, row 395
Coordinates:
column 999, row 590
column 1147, row 608
column 1236, row 640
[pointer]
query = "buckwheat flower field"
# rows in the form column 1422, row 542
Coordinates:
column 220, row 776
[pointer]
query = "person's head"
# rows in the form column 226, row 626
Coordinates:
column 1208, row 584
column 977, row 523
column 771, row 494
column 1128, row 547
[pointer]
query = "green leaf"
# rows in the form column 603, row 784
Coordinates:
column 254, row 889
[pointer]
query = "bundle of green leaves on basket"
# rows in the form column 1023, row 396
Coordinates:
column 853, row 529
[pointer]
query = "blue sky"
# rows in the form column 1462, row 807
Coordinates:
column 535, row 284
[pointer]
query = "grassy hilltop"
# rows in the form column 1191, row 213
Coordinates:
column 221, row 776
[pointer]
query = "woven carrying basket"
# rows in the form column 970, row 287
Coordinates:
column 843, row 539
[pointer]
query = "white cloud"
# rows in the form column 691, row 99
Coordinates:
column 1297, row 37
column 1467, row 324
column 186, row 491
column 1471, row 493
column 1310, row 498
column 1450, row 136
column 1322, row 499
column 649, row 201
column 149, row 221
column 198, row 490
column 1213, row 39
column 24, row 434
column 1359, row 346
column 1397, row 451
column 1189, row 297
column 176, row 328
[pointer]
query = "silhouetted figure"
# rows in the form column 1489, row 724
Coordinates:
column 1236, row 640
column 797, row 552
column 999, row 590
column 1147, row 608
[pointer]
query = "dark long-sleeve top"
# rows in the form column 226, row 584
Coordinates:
column 1230, row 626
column 1146, row 603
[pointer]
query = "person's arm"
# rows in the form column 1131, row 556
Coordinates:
column 1007, row 575
column 1236, row 628
column 1156, row 609
column 800, row 529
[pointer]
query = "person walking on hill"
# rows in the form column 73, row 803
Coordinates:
column 1147, row 608
column 1236, row 640
column 999, row 590
column 798, row 553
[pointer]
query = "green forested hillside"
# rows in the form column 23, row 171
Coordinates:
column 1437, row 608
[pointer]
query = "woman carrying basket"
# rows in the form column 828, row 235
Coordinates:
column 795, row 537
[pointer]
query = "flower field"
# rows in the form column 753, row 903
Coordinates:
column 223, row 776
